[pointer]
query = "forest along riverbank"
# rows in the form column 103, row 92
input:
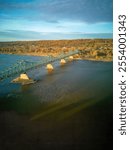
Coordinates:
column 90, row 49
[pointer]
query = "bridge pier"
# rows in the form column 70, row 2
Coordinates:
column 23, row 79
column 62, row 61
column 24, row 76
column 49, row 67
column 71, row 58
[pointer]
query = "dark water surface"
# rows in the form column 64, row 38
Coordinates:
column 68, row 109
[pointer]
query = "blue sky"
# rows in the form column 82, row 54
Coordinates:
column 54, row 19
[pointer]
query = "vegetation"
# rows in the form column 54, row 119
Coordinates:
column 97, row 49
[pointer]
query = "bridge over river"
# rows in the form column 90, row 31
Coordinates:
column 24, row 66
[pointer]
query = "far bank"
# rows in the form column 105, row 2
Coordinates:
column 90, row 49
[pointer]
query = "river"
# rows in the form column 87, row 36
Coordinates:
column 70, row 108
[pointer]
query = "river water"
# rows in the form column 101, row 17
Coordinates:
column 67, row 109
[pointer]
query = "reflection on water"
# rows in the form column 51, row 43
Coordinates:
column 69, row 108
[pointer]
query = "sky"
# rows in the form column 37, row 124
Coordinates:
column 55, row 19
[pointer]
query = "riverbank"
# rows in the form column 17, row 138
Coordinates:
column 79, row 57
column 90, row 49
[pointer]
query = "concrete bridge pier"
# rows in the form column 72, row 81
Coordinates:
column 62, row 61
column 23, row 79
column 49, row 67
column 71, row 58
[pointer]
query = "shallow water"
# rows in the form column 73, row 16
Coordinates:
column 70, row 108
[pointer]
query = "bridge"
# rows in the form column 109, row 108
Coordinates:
column 24, row 66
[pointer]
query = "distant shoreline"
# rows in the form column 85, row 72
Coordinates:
column 90, row 49
column 38, row 55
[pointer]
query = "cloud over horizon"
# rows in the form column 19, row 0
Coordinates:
column 54, row 15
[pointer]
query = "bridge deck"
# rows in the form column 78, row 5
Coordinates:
column 23, row 66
